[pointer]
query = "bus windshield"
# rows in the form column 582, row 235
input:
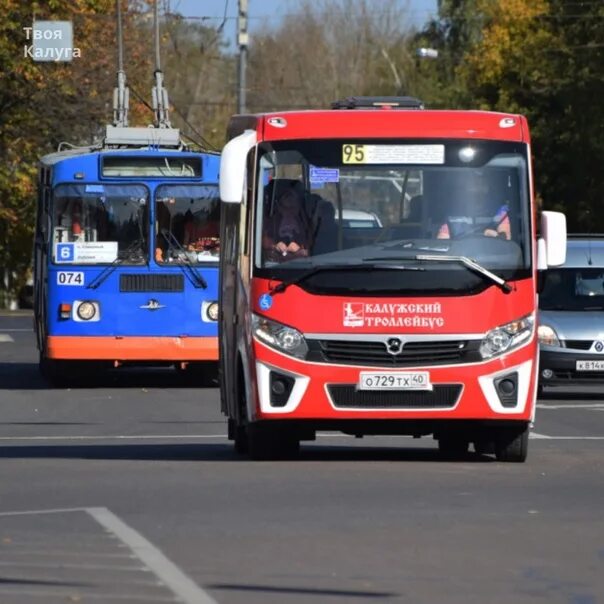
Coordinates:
column 187, row 224
column 358, row 202
column 99, row 223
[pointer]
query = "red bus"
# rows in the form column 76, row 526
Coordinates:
column 378, row 276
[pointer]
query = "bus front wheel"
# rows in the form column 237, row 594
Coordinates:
column 511, row 444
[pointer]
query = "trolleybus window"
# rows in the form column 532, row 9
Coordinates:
column 187, row 224
column 151, row 167
column 100, row 222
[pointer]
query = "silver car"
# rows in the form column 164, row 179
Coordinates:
column 571, row 316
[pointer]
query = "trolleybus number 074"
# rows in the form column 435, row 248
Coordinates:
column 399, row 380
column 70, row 278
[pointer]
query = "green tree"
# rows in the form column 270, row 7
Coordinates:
column 42, row 104
column 540, row 58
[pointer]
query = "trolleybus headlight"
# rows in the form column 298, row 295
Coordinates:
column 212, row 311
column 507, row 337
column 283, row 338
column 86, row 310
column 547, row 336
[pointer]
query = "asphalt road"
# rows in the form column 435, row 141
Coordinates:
column 129, row 492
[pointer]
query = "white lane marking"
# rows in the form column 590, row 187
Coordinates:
column 4, row 337
column 172, row 577
column 118, row 437
column 71, row 596
column 597, row 406
column 545, row 436
column 164, row 569
column 109, row 567
column 538, row 436
column 50, row 511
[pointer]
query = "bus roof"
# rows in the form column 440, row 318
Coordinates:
column 383, row 123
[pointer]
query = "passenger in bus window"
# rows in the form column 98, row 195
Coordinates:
column 286, row 230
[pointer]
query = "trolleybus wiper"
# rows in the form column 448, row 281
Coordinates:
column 281, row 287
column 196, row 278
column 470, row 264
column 121, row 257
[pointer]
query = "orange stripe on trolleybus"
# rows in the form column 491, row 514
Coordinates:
column 126, row 348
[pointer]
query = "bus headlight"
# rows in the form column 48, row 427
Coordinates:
column 212, row 311
column 507, row 337
column 547, row 336
column 281, row 337
column 86, row 310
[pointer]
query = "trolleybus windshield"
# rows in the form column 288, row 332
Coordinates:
column 100, row 223
column 187, row 224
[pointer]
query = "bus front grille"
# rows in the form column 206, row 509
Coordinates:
column 346, row 396
column 375, row 353
column 152, row 283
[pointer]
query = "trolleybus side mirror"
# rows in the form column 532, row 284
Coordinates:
column 233, row 166
column 551, row 246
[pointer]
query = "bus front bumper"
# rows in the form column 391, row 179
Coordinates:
column 294, row 389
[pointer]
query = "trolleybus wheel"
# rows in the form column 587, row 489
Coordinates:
column 269, row 442
column 511, row 444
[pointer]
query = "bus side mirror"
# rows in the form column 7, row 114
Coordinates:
column 233, row 166
column 551, row 246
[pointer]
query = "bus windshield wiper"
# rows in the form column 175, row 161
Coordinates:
column 412, row 244
column 196, row 278
column 281, row 287
column 128, row 254
column 471, row 265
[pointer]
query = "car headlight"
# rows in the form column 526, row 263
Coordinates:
column 547, row 336
column 281, row 337
column 86, row 310
column 507, row 337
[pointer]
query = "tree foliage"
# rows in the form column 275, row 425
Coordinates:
column 541, row 58
column 42, row 104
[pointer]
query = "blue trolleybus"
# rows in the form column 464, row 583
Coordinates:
column 126, row 256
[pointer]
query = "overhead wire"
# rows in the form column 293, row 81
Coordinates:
column 202, row 142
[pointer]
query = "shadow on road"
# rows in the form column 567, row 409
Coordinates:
column 215, row 452
column 569, row 395
column 305, row 591
column 26, row 376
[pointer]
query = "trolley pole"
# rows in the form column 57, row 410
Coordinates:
column 242, row 41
